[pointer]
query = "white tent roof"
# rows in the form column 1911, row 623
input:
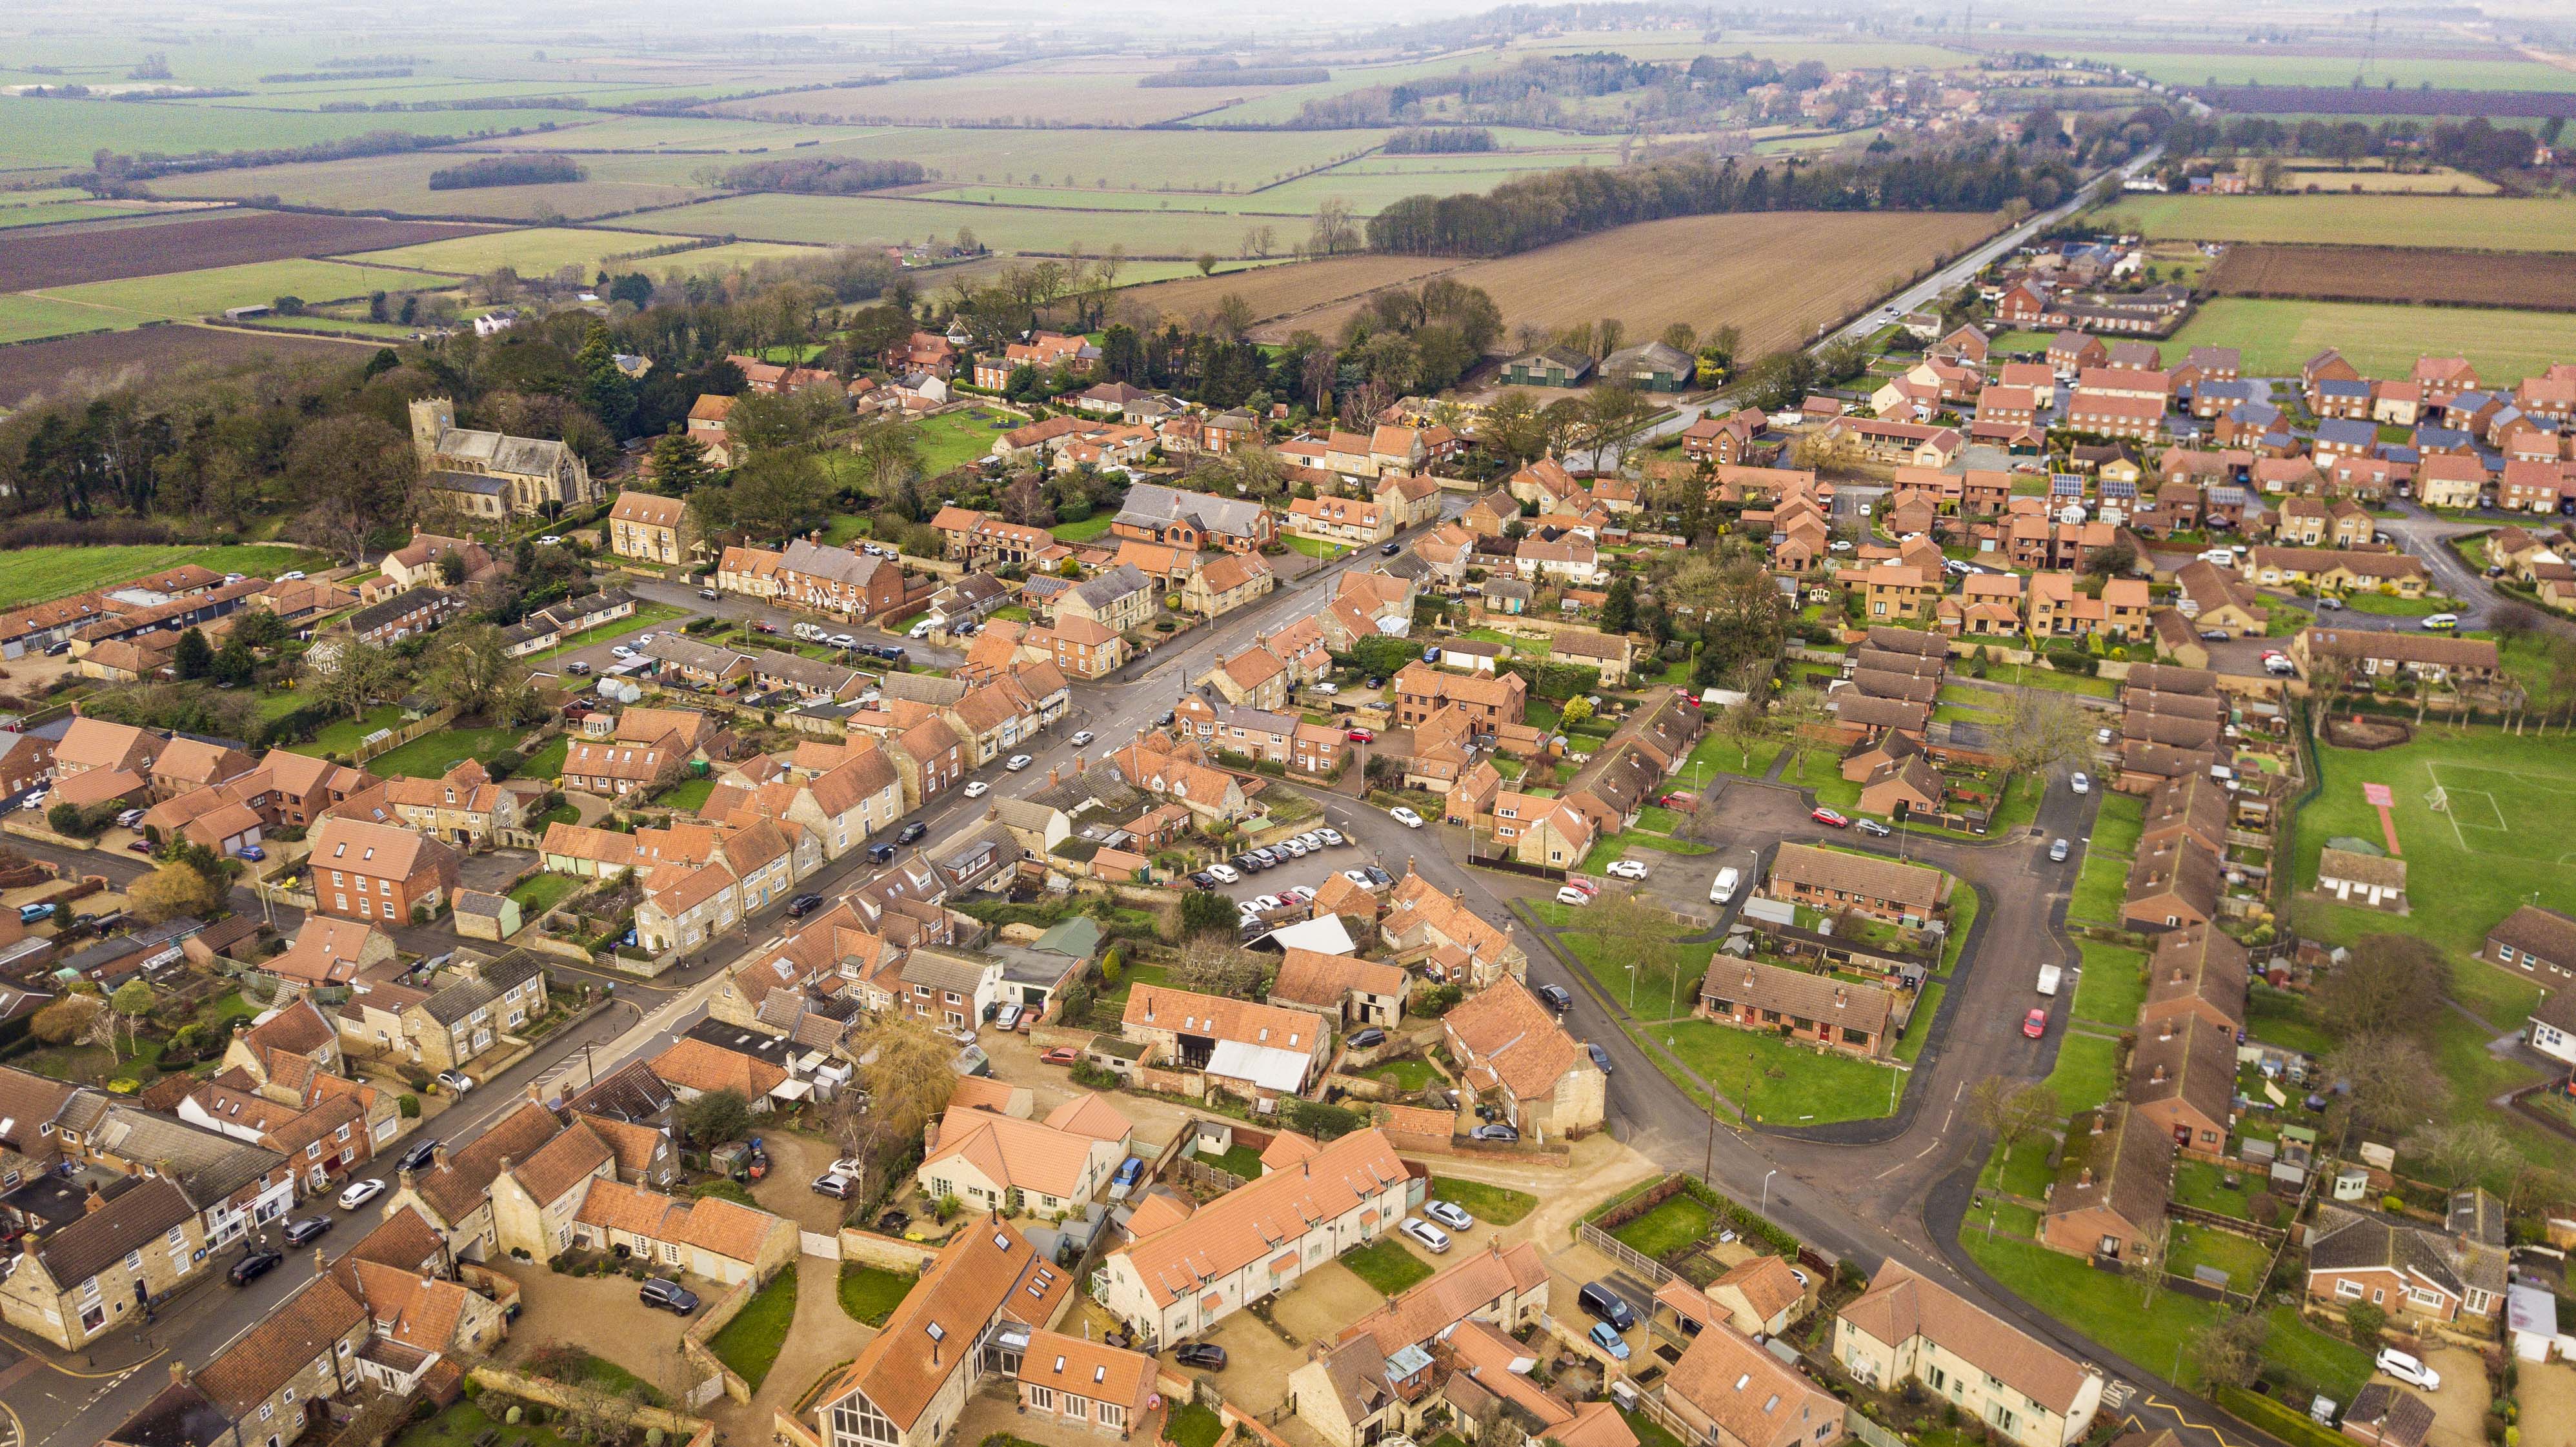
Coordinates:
column 1263, row 1065
column 1325, row 936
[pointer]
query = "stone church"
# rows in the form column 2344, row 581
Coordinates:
column 493, row 475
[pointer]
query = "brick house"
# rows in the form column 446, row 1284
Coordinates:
column 1812, row 1009
column 72, row 1285
column 1831, row 881
column 378, row 871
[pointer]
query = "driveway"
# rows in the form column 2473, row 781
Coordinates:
column 493, row 869
column 2460, row 1408
column 820, row 1338
column 795, row 1161
column 602, row 1315
column 2547, row 1392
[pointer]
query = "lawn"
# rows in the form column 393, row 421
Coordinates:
column 2120, row 824
column 548, row 762
column 2382, row 338
column 1313, row 547
column 464, row 1424
column 1963, row 919
column 1649, row 1433
column 2110, row 1308
column 2495, row 847
column 2391, row 606
column 954, row 439
column 1411, row 1073
column 2082, row 1078
column 1194, row 1426
column 1655, row 988
column 1494, row 1205
column 2101, row 888
column 2278, row 1017
column 1778, row 1082
column 36, row 575
column 1085, row 530
column 751, row 1341
column 688, row 795
column 2026, row 1175
column 2329, row 1364
column 1238, row 1159
column 2113, row 986
column 1386, row 1265
column 541, row 892
column 2086, row 684
column 1614, row 846
column 1918, row 1026
column 2242, row 1258
column 870, row 1295
column 2204, row 1184
column 343, row 736
column 1673, row 1226
column 432, row 755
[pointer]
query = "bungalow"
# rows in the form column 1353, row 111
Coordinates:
column 2394, row 655
column 1831, row 881
column 2182, row 1079
column 2108, row 1198
column 1812, row 1009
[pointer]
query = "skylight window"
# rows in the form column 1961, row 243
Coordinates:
column 937, row 1332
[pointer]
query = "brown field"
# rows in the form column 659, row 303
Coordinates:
column 1278, row 293
column 37, row 257
column 1775, row 275
column 74, row 363
column 2525, row 280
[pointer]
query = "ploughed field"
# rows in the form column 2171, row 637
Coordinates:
column 41, row 257
column 2534, row 280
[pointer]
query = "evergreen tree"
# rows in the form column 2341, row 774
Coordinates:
column 195, row 658
column 605, row 390
column 680, row 465
column 1619, row 609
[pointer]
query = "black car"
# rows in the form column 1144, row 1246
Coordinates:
column 1377, row 878
column 1556, row 997
column 1203, row 880
column 1166, row 720
column 417, row 1157
column 1367, row 1038
column 911, row 831
column 880, row 853
column 803, row 905
column 671, row 1296
column 299, row 1232
column 1200, row 1354
column 1390, row 550
column 1600, row 1057
column 1496, row 1132
column 253, row 1266
column 1247, row 864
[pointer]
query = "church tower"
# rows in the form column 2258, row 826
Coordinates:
column 430, row 416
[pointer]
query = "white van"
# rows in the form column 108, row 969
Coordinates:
column 1724, row 889
column 2049, row 975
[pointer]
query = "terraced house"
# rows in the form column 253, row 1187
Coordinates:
column 1907, row 1328
column 82, row 1280
column 1832, row 881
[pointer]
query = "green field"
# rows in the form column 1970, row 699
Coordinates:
column 953, row 439
column 532, row 252
column 2470, row 865
column 25, row 318
column 50, row 212
column 190, row 294
column 2468, row 223
column 35, row 575
column 2389, row 64
column 401, row 183
column 1777, row 1083
column 68, row 132
column 880, row 221
column 2382, row 340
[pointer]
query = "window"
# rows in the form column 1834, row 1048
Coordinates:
column 2348, row 1289
column 1042, row 1398
column 133, row 1261
column 1112, row 1415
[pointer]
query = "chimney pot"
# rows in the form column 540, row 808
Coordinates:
column 438, row 1156
column 178, row 1372
column 2157, row 1076
column 317, row 1261
column 2084, row 1178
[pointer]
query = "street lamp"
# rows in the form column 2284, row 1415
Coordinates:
column 1766, row 1189
column 1632, row 989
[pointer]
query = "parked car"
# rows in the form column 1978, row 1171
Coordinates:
column 1270, row 855
column 803, row 905
column 1829, row 817
column 251, row 852
column 2215, row 635
column 1389, row 550
column 2406, row 1368
column 1449, row 1214
column 254, row 1265
column 1597, row 1298
column 1130, row 1171
column 620, row 650
column 1081, row 737
column 880, row 854
column 1568, row 894
column 910, row 832
column 2057, row 852
column 1377, row 878
column 1206, row 1356
column 1627, row 868
column 1367, row 1037
column 299, row 1232
column 977, row 789
column 418, row 1156
column 763, row 625
column 1360, row 736
column 1203, row 880
column 1495, row 1131
column 2035, row 1024
column 1608, row 1340
column 2079, row 782
column 1060, row 1055
column 577, row 669
column 1405, row 817
column 707, row 593
column 360, row 1193
column 457, row 1082
column 1872, row 828
column 1243, row 864
column 141, row 846
column 1325, row 689
column 1556, row 997
column 1017, row 762
column 1332, row 837
column 838, row 1187
column 2441, row 622
column 1007, row 1018
column 671, row 1296
column 129, row 818
column 1296, row 848
column 1429, row 1237
column 2329, row 604
column 1600, row 1058
column 1225, row 873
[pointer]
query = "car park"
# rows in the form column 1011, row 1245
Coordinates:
column 360, row 1193
column 1494, row 1131
column 1568, row 894
column 1450, row 1215
column 2035, row 1024
column 1872, row 828
column 1829, row 817
column 253, row 1266
column 300, row 1232
column 1405, row 817
column 2057, row 852
column 1225, row 873
column 2407, row 1368
column 1206, row 1356
column 671, row 1296
column 1244, row 864
column 1627, row 868
column 1295, row 849
column 1270, row 856
column 1429, row 1237
column 1311, row 839
column 1299, row 894
column 1267, row 902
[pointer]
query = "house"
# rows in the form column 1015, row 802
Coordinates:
column 1043, row 351
column 2197, row 973
column 1600, row 651
column 1428, row 1351
column 2384, row 1414
column 2372, row 881
column 1254, row 1241
column 2109, row 1194
column 1194, row 520
column 1831, row 881
column 1725, row 441
column 494, row 475
column 2534, row 940
column 1507, row 1043
column 1730, row 1392
column 1354, row 991
column 2182, row 1078
column 2212, row 598
column 1353, row 522
column 463, row 807
column 1084, row 1385
column 1118, row 599
column 1547, row 367
column 2418, row 1275
column 1907, row 1328
column 275, row 1381
column 1082, row 647
column 974, row 1311
column 1569, row 558
column 1454, row 943
column 647, row 528
column 2394, row 655
column 403, row 616
column 1225, row 583
column 1795, row 1005
column 2332, row 570
column 1050, row 1168
column 1488, row 701
column 378, row 871
column 71, row 1286
column 1262, row 1052
column 472, row 1006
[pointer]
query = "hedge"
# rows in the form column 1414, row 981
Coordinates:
column 2283, row 1422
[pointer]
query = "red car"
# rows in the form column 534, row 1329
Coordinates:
column 1824, row 815
column 1061, row 1055
column 1361, row 736
column 2035, row 1024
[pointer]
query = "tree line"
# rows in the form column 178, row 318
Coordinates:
column 1534, row 211
column 822, row 175
column 2477, row 146
column 507, row 171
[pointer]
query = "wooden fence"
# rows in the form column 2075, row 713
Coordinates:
column 387, row 740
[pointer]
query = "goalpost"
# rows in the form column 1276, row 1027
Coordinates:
column 2437, row 799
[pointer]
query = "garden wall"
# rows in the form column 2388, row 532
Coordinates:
column 883, row 1252
column 552, row 1394
column 693, row 1342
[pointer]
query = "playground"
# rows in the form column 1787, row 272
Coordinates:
column 2485, row 820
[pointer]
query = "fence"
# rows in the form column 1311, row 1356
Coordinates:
column 387, row 740
column 1622, row 1253
column 1869, row 1432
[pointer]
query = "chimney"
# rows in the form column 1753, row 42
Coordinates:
column 438, row 1156
column 1055, row 776
column 94, row 1200
column 405, row 1177
column 536, row 1092
column 2157, row 1076
column 1079, row 764
column 2164, row 1031
column 2084, row 1179
column 1842, row 997
column 317, row 1261
column 1748, row 976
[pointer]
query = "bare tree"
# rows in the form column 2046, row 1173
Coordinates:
column 2230, row 1352
column 2462, row 1152
column 2390, row 1082
column 2039, row 731
column 1643, row 935
column 2015, row 1110
column 2386, row 984
column 1213, row 964
column 903, row 1066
